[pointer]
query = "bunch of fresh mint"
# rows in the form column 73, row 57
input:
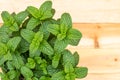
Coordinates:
column 33, row 46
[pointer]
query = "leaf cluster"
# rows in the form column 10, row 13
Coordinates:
column 33, row 45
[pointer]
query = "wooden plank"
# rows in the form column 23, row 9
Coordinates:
column 103, row 64
column 99, row 11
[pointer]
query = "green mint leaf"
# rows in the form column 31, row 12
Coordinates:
column 70, row 76
column 5, row 30
column 68, row 58
column 7, row 18
column 17, row 60
column 46, row 10
column 10, row 65
column 3, row 49
column 5, row 57
column 13, row 43
column 23, row 46
column 14, row 27
column 66, row 20
column 8, row 56
column 32, row 23
column 61, row 36
column 20, row 17
column 68, row 68
column 34, row 78
column 55, row 60
column 51, row 70
column 63, row 29
column 31, row 63
column 53, row 12
column 38, row 60
column 34, row 46
column 9, row 21
column 33, row 11
column 43, row 66
column 4, row 38
column 74, row 36
column 43, row 29
column 4, row 76
column 60, row 45
column 2, row 60
column 26, row 72
column 53, row 28
column 28, row 35
column 58, row 76
column 44, row 78
column 76, row 56
column 81, row 72
column 12, row 74
column 46, row 48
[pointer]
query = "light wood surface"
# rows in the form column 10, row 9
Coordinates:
column 99, row 50
column 100, row 11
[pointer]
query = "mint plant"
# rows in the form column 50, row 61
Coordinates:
column 33, row 46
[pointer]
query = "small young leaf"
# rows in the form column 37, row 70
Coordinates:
column 38, row 60
column 46, row 10
column 33, row 23
column 34, row 46
column 55, row 60
column 7, row 18
column 13, row 43
column 58, row 76
column 31, row 63
column 81, row 72
column 46, row 48
column 66, row 20
column 33, row 11
column 68, row 68
column 20, row 17
column 68, row 58
column 61, row 36
column 53, row 28
column 60, row 45
column 63, row 29
column 76, row 56
column 74, row 36
column 70, row 76
column 28, row 35
column 26, row 72
column 43, row 66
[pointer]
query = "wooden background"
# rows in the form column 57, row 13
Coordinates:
column 99, row 22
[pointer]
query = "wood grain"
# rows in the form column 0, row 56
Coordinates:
column 92, row 11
